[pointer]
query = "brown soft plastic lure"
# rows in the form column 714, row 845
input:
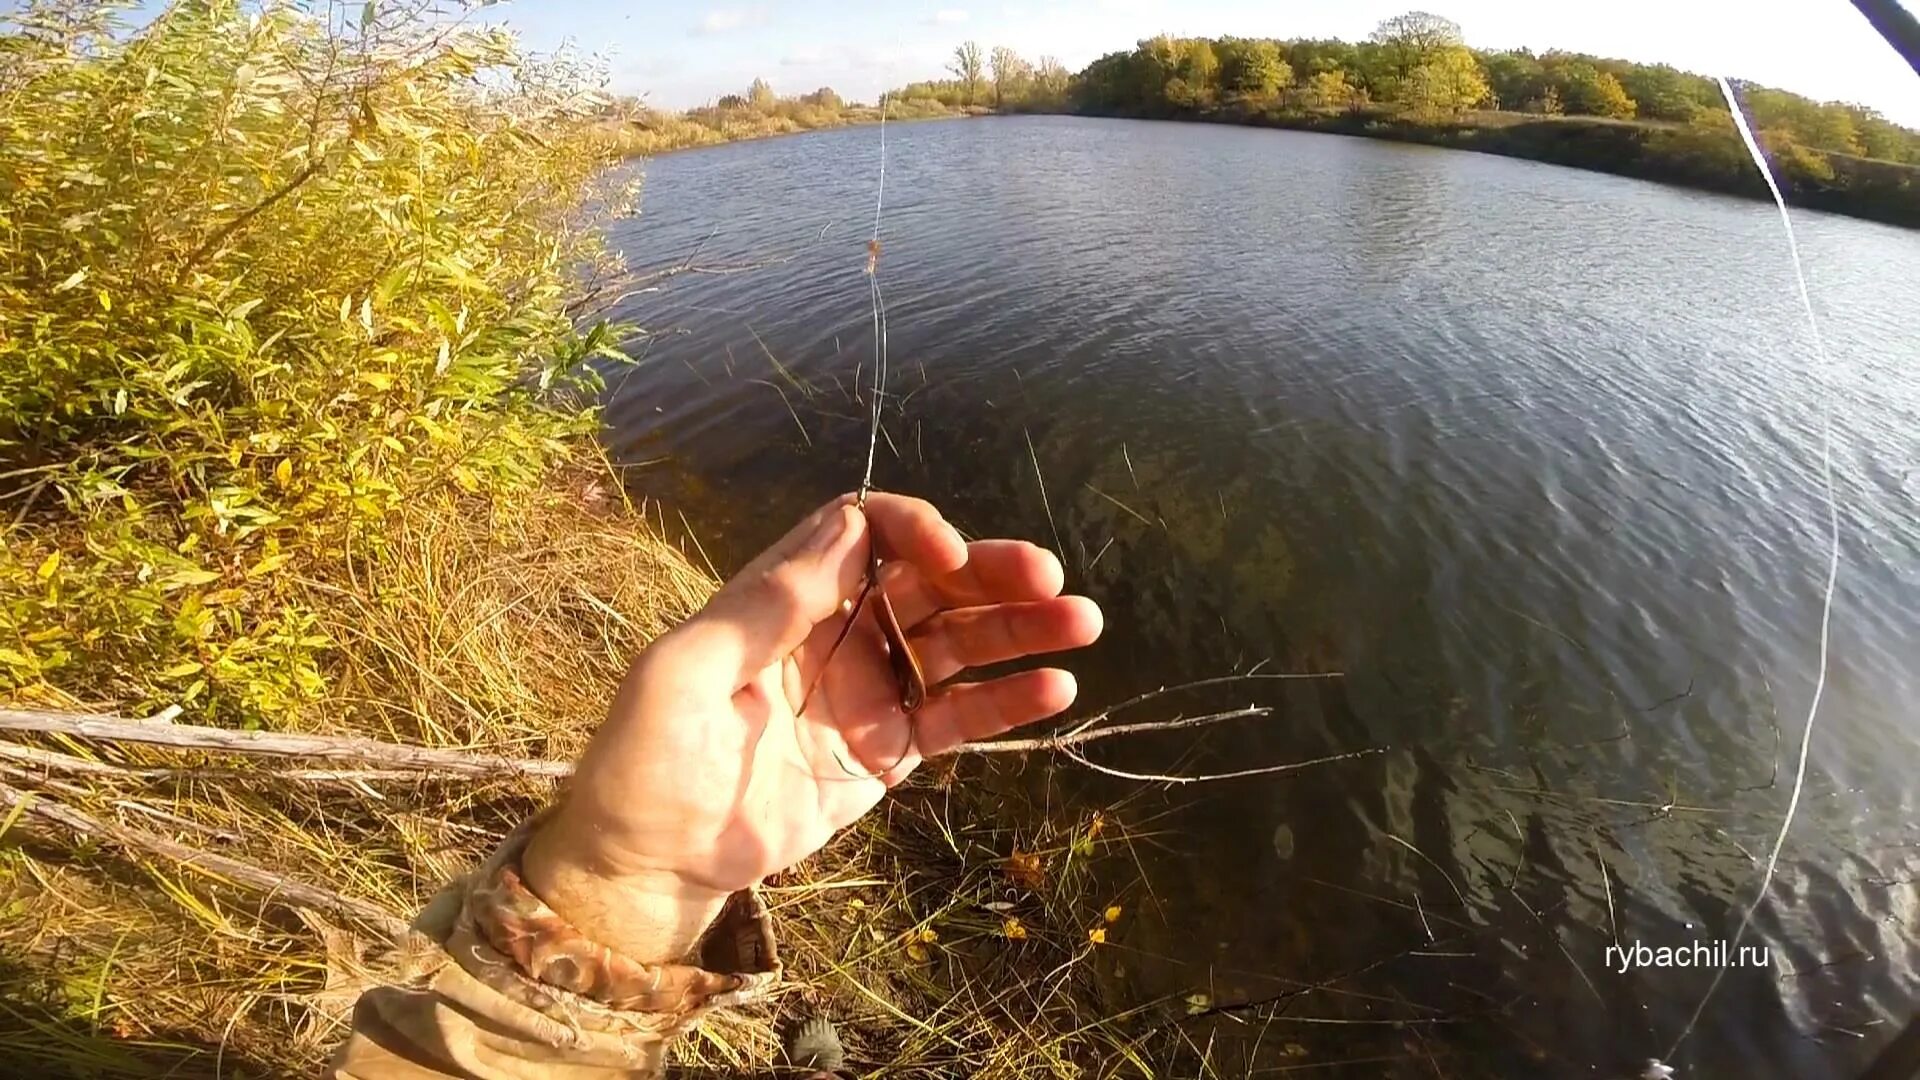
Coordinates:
column 900, row 655
column 907, row 672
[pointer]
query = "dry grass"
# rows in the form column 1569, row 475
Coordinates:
column 947, row 941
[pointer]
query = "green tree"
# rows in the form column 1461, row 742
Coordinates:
column 1514, row 78
column 1252, row 68
column 1662, row 92
column 969, row 66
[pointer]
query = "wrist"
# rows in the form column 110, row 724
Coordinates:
column 648, row 916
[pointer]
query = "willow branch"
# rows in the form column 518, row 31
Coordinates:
column 278, row 887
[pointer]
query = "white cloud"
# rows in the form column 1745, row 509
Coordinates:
column 726, row 20
column 948, row 17
column 804, row 56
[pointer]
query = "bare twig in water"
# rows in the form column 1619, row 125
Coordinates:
column 1058, row 547
column 789, row 405
column 284, row 889
column 1606, row 881
column 1443, row 873
column 1137, row 515
column 1265, row 770
column 1100, row 554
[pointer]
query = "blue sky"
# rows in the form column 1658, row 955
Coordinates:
column 686, row 53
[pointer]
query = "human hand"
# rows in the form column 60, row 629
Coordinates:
column 706, row 778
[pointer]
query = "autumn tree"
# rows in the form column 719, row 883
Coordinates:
column 969, row 66
column 760, row 95
column 1416, row 38
column 1050, row 77
column 1588, row 91
column 1011, row 75
column 1448, row 82
column 1200, row 65
column 1329, row 91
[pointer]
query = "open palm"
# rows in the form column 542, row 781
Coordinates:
column 707, row 776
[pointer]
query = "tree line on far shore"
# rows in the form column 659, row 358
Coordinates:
column 1415, row 67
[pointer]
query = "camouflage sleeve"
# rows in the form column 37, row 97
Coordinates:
column 494, row 984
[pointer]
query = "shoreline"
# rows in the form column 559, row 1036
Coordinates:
column 1671, row 154
column 1865, row 188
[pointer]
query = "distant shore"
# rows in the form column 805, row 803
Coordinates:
column 1679, row 154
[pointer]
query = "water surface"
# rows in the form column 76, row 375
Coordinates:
column 1530, row 455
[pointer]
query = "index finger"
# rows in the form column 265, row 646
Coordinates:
column 913, row 530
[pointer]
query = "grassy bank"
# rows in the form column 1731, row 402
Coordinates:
column 293, row 327
column 640, row 131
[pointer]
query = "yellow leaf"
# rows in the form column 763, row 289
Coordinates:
column 379, row 380
column 14, row 659
column 48, row 566
column 366, row 313
column 268, row 565
column 918, row 952
column 465, row 478
column 929, row 934
column 1014, row 930
column 224, row 596
column 1113, row 913
column 393, row 444
column 1097, row 935
column 1198, row 1003
column 181, row 671
column 72, row 281
column 182, row 578
column 283, row 473
column 106, row 302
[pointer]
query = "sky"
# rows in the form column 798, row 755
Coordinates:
column 679, row 53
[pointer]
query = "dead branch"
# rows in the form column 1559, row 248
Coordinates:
column 329, row 747
column 278, row 887
column 49, row 761
column 396, row 761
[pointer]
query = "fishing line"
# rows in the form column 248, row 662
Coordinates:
column 879, row 314
column 1833, row 553
column 870, row 590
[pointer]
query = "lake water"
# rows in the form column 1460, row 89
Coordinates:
column 1529, row 454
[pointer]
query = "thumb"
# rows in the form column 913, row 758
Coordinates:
column 768, row 609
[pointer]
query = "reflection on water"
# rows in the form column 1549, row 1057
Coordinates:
column 1528, row 454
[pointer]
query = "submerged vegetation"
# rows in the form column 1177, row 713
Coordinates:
column 1415, row 79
